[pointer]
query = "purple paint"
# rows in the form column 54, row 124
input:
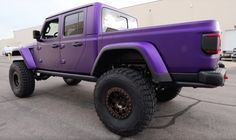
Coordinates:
column 147, row 50
column 167, row 49
column 178, row 44
column 28, row 59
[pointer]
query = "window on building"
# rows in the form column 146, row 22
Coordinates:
column 51, row 29
column 74, row 24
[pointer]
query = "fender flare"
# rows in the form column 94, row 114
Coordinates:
column 150, row 54
column 28, row 58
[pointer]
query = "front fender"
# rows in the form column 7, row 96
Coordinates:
column 28, row 58
column 150, row 54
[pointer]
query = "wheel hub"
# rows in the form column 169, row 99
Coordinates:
column 118, row 103
column 16, row 80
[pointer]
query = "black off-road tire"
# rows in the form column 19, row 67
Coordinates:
column 71, row 82
column 141, row 96
column 165, row 94
column 21, row 80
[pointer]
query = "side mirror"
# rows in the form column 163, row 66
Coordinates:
column 36, row 35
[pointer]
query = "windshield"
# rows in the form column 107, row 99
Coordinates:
column 115, row 21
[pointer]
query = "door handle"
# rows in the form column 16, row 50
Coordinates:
column 55, row 46
column 77, row 44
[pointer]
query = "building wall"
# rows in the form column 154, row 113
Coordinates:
column 175, row 11
column 7, row 42
column 25, row 36
column 20, row 38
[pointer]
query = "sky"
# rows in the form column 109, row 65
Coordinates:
column 20, row 14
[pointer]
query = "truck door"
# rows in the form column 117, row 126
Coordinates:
column 48, row 48
column 72, row 40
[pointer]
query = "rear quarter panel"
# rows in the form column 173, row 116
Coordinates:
column 179, row 45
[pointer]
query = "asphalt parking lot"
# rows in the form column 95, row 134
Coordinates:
column 57, row 111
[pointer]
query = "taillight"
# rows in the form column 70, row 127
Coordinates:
column 226, row 77
column 211, row 43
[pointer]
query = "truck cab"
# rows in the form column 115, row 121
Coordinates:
column 66, row 37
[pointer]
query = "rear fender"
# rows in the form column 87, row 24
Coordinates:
column 150, row 54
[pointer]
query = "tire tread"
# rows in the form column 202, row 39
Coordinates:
column 28, row 81
column 145, row 86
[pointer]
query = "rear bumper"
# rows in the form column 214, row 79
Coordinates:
column 214, row 78
column 207, row 79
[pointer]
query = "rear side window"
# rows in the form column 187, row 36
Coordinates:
column 74, row 24
column 115, row 21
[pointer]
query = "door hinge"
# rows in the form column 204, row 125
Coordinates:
column 39, row 48
column 63, row 61
column 40, row 60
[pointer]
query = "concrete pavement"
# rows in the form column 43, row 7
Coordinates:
column 57, row 111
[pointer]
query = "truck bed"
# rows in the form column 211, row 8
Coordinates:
column 178, row 44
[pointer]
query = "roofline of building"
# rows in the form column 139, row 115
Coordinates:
column 26, row 28
column 230, row 30
column 142, row 3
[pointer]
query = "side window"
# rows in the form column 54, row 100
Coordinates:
column 113, row 21
column 51, row 29
column 116, row 21
column 74, row 24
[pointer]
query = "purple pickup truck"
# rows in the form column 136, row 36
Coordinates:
column 133, row 67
